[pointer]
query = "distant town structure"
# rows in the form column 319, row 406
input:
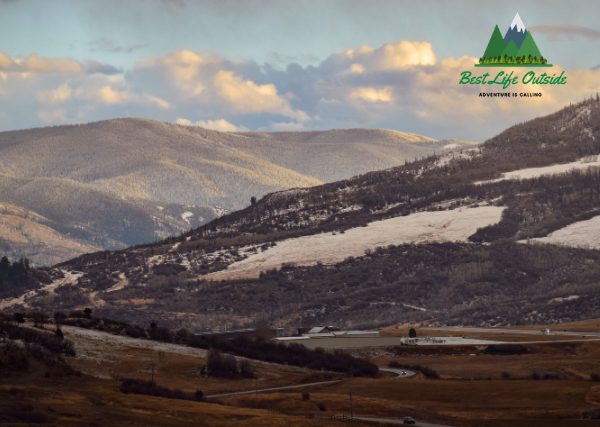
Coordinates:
column 322, row 329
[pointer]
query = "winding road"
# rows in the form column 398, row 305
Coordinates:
column 270, row 389
column 401, row 373
column 397, row 421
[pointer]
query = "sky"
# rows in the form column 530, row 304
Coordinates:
column 282, row 65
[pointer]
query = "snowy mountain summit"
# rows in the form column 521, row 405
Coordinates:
column 517, row 33
column 518, row 23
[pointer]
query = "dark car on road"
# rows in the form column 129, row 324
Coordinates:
column 409, row 420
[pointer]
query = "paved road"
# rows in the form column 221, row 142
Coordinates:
column 270, row 389
column 516, row 331
column 401, row 373
column 398, row 421
column 407, row 374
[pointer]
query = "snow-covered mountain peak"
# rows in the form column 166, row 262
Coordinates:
column 518, row 23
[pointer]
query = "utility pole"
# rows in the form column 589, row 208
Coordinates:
column 351, row 410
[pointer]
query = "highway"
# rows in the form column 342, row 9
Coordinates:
column 515, row 331
column 398, row 372
column 270, row 389
column 401, row 373
column 398, row 421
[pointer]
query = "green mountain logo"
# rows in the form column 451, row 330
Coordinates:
column 516, row 49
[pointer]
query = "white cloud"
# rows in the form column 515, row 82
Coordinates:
column 402, row 85
column 371, row 94
column 111, row 91
column 245, row 96
column 36, row 64
column 221, row 125
column 286, row 127
column 357, row 69
column 53, row 116
column 55, row 96
column 396, row 56
column 181, row 69
column 390, row 56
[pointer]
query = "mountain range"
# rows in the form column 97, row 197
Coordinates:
column 68, row 190
column 517, row 46
column 458, row 238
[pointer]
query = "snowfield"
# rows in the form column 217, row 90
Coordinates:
column 70, row 278
column 582, row 234
column 438, row 226
column 529, row 173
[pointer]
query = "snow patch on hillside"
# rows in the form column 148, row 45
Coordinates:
column 529, row 173
column 438, row 226
column 69, row 278
column 186, row 216
column 466, row 154
column 582, row 234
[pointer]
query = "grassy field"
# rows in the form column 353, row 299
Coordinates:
column 86, row 401
column 474, row 389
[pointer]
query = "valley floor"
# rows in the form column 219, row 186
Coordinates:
column 550, row 384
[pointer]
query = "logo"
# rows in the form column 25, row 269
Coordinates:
column 516, row 49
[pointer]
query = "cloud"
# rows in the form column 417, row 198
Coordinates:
column 221, row 125
column 105, row 44
column 286, row 127
column 110, row 95
column 401, row 85
column 391, row 56
column 566, row 31
column 36, row 64
column 56, row 96
column 356, row 69
column 396, row 56
column 53, row 116
column 93, row 67
column 371, row 94
column 39, row 65
column 182, row 70
column 245, row 96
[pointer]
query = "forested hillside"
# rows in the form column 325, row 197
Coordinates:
column 488, row 275
column 68, row 190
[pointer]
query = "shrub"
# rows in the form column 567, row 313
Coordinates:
column 160, row 334
column 58, row 333
column 292, row 354
column 24, row 414
column 427, row 372
column 150, row 388
column 134, row 331
column 246, row 370
column 49, row 341
column 13, row 358
column 59, row 317
column 221, row 365
column 591, row 415
column 506, row 349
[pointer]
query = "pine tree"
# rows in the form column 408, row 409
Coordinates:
column 511, row 49
column 495, row 45
column 529, row 47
